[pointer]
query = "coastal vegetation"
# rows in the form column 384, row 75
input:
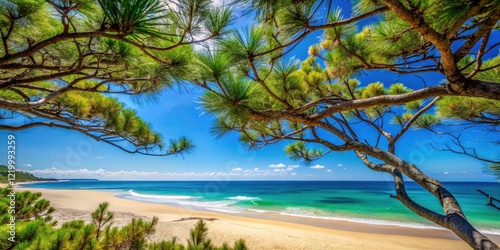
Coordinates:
column 35, row 229
column 61, row 60
column 20, row 176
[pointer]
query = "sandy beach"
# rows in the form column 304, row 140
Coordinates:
column 259, row 233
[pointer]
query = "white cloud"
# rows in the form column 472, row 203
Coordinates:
column 317, row 166
column 99, row 157
column 27, row 165
column 328, row 170
column 340, row 165
column 280, row 165
column 256, row 169
column 102, row 174
column 294, row 173
column 292, row 167
column 455, row 173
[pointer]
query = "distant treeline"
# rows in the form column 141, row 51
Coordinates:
column 20, row 176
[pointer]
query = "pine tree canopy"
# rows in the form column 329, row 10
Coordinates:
column 61, row 63
column 324, row 103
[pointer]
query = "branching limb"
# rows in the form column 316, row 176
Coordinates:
column 463, row 150
column 413, row 119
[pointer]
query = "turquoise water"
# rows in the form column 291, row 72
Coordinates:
column 367, row 202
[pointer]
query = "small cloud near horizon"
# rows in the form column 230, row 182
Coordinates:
column 455, row 173
column 328, row 170
column 27, row 165
column 280, row 165
column 99, row 157
column 236, row 169
column 317, row 166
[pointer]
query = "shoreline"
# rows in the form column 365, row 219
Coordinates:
column 327, row 223
column 261, row 231
column 341, row 223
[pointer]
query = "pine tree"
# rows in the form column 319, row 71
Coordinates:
column 257, row 88
column 61, row 60
column 101, row 216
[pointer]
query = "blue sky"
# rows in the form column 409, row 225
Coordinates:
column 67, row 154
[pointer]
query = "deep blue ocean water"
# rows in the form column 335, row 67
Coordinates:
column 361, row 201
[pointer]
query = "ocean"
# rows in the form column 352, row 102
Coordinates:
column 358, row 201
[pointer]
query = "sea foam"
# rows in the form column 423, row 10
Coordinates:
column 187, row 201
column 243, row 198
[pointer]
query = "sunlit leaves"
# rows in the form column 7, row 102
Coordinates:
column 18, row 9
column 247, row 43
column 336, row 33
column 213, row 64
column 398, row 88
column 180, row 146
column 233, row 100
column 363, row 6
column 426, row 121
column 188, row 16
column 120, row 51
column 135, row 18
column 413, row 106
column 110, row 114
column 218, row 20
column 395, row 38
column 294, row 17
column 473, row 109
column 314, row 50
column 449, row 12
column 77, row 50
column 489, row 70
column 373, row 89
column 299, row 151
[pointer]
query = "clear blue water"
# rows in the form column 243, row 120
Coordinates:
column 367, row 202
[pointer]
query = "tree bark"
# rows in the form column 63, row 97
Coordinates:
column 454, row 218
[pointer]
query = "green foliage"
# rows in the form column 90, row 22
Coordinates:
column 250, row 43
column 101, row 216
column 271, row 96
column 27, row 206
column 299, row 151
column 198, row 236
column 471, row 109
column 494, row 170
column 398, row 88
column 237, row 97
column 64, row 59
column 20, row 176
column 134, row 18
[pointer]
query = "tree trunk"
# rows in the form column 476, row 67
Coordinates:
column 454, row 218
